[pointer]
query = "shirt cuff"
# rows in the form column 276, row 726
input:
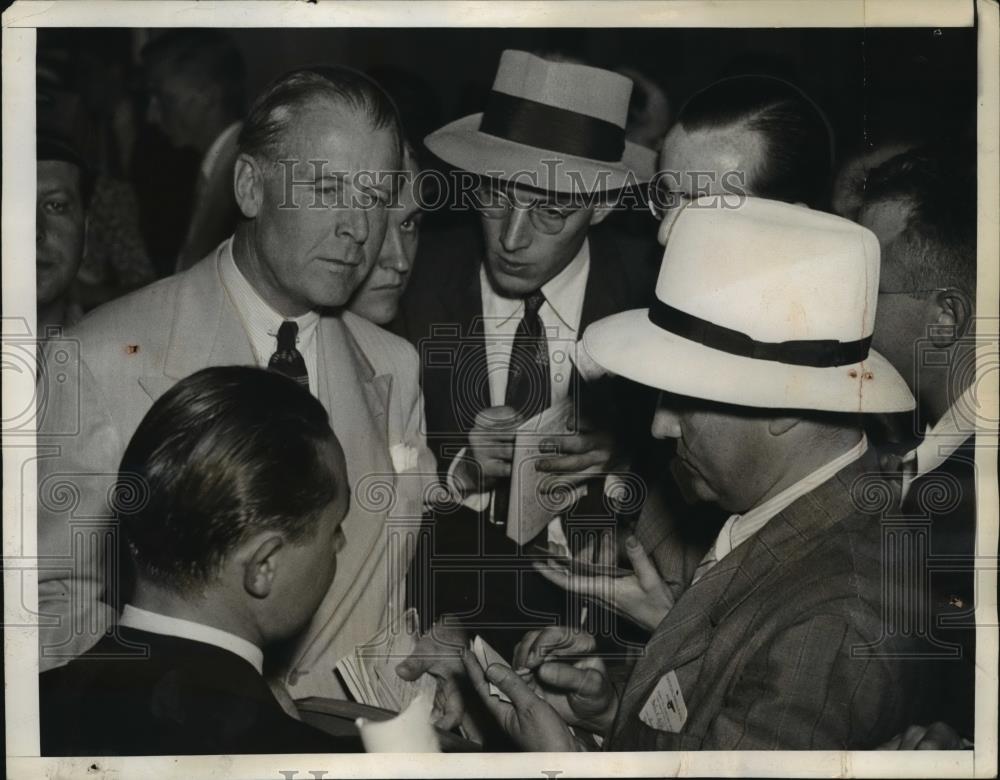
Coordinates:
column 478, row 502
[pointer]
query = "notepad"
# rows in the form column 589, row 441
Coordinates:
column 369, row 672
column 537, row 496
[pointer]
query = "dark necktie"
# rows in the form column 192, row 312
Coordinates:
column 287, row 359
column 528, row 384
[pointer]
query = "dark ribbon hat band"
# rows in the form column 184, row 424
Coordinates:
column 532, row 123
column 820, row 353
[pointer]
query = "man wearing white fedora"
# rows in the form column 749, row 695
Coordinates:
column 550, row 159
column 788, row 636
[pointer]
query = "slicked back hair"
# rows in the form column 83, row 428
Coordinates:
column 797, row 161
column 937, row 247
column 228, row 452
column 277, row 107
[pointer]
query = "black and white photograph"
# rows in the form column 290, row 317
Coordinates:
column 514, row 380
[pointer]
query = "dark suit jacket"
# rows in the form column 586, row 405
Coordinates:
column 184, row 697
column 946, row 500
column 441, row 314
column 783, row 645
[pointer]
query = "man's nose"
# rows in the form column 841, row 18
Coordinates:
column 353, row 224
column 393, row 254
column 666, row 421
column 516, row 229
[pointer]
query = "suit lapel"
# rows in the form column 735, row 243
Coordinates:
column 207, row 329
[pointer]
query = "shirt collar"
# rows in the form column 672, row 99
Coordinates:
column 155, row 623
column 259, row 318
column 945, row 436
column 739, row 528
column 563, row 292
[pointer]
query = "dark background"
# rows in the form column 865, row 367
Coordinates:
column 871, row 82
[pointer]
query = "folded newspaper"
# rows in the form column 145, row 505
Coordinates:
column 369, row 673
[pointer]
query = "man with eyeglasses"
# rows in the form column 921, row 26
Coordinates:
column 922, row 208
column 496, row 313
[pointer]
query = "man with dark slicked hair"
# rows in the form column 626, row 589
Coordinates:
column 231, row 496
column 270, row 296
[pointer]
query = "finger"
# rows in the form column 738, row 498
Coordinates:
column 520, row 695
column 497, row 420
column 559, row 575
column 575, row 444
column 523, row 647
column 572, row 679
column 892, row 744
column 911, row 737
column 645, row 570
column 574, row 463
column 940, row 736
column 558, row 641
column 413, row 667
column 499, row 709
column 606, row 550
column 450, row 703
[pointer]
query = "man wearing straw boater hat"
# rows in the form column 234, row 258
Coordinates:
column 496, row 310
column 788, row 636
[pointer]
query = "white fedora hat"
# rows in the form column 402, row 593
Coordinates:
column 554, row 126
column 762, row 304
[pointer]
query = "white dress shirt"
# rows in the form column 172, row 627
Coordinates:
column 155, row 623
column 560, row 316
column 738, row 528
column 261, row 322
column 940, row 441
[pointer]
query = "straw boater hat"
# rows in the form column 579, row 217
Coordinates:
column 767, row 305
column 555, row 126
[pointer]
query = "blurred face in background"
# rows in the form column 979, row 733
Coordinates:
column 178, row 105
column 378, row 298
column 60, row 228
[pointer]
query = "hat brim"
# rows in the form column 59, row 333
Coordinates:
column 629, row 345
column 461, row 144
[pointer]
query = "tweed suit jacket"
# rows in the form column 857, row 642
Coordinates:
column 785, row 643
column 125, row 355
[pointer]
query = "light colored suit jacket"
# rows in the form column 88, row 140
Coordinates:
column 127, row 354
column 792, row 641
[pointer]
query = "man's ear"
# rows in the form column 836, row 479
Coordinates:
column 955, row 316
column 261, row 567
column 600, row 214
column 779, row 426
column 248, row 185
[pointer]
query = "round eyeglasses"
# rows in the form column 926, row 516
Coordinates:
column 546, row 217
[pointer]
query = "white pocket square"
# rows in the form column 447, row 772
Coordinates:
column 404, row 457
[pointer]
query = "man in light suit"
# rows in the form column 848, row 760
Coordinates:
column 787, row 637
column 268, row 297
